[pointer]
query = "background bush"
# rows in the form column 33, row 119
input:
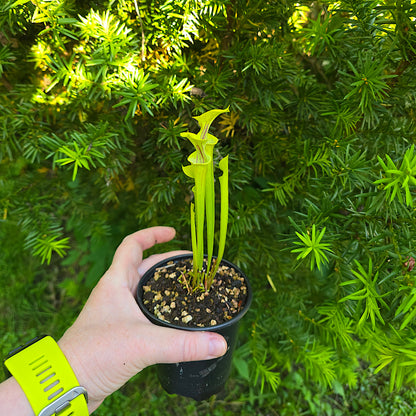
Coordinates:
column 94, row 95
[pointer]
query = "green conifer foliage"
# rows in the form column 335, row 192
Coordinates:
column 94, row 97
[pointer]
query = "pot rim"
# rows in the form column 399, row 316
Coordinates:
column 157, row 321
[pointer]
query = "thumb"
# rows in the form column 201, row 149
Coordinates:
column 174, row 345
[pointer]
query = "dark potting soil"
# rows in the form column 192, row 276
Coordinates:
column 166, row 296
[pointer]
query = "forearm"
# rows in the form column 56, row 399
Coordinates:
column 13, row 401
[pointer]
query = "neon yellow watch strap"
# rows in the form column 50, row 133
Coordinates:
column 47, row 379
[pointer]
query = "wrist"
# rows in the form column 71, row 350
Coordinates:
column 46, row 379
column 74, row 356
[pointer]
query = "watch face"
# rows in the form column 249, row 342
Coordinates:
column 22, row 347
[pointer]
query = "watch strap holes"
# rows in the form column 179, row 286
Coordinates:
column 51, row 386
column 38, row 364
column 36, row 360
column 43, row 371
column 55, row 393
column 47, row 378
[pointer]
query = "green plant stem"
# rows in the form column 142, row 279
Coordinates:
column 223, row 217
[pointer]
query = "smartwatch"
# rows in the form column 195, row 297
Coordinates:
column 47, row 379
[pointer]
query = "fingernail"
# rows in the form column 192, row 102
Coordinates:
column 217, row 345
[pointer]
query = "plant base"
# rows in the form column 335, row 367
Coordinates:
column 198, row 379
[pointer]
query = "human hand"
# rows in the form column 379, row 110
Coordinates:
column 111, row 340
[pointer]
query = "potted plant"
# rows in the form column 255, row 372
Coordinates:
column 199, row 292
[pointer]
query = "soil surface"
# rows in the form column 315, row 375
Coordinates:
column 166, row 296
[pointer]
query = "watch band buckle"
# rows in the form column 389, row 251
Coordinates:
column 63, row 402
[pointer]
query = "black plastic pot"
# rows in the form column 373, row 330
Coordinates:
column 198, row 379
